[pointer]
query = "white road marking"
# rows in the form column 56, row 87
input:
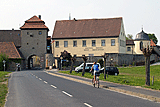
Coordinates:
column 45, row 82
column 87, row 105
column 53, row 86
column 40, row 79
column 67, row 94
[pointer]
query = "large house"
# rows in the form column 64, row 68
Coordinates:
column 94, row 37
column 90, row 37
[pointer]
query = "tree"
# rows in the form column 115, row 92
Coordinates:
column 84, row 66
column 153, row 37
column 100, row 61
column 3, row 56
column 129, row 37
column 72, row 62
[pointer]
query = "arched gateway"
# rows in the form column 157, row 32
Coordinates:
column 34, row 35
column 33, row 62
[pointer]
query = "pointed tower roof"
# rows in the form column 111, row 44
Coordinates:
column 142, row 36
column 34, row 23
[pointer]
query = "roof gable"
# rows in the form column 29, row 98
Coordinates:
column 34, row 19
column 87, row 28
column 9, row 49
column 34, row 23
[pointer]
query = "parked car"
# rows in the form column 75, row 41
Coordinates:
column 110, row 70
column 87, row 67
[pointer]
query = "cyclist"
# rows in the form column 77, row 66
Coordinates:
column 96, row 69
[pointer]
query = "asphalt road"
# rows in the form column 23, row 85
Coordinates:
column 39, row 89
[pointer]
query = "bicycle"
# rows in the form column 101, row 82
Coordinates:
column 96, row 81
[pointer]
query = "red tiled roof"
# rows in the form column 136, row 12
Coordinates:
column 9, row 49
column 152, row 43
column 87, row 28
column 11, row 36
column 129, row 42
column 34, row 23
column 34, row 19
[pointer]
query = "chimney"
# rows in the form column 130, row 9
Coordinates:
column 74, row 19
column 39, row 16
column 69, row 16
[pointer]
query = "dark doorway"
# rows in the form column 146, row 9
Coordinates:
column 34, row 62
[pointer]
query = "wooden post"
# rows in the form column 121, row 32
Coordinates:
column 153, row 80
column 105, row 57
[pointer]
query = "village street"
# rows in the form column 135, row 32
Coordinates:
column 39, row 89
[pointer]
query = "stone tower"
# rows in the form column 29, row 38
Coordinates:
column 34, row 34
column 143, row 38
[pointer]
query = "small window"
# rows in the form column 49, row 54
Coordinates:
column 27, row 33
column 57, row 44
column 128, row 48
column 74, row 43
column 40, row 33
column 102, row 42
column 27, row 43
column 65, row 43
column 93, row 42
column 31, row 35
column 84, row 43
column 112, row 42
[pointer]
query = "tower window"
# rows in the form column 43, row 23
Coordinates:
column 40, row 32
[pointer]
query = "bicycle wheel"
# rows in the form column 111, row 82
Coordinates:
column 98, row 82
column 93, row 82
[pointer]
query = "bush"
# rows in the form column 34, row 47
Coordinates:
column 100, row 61
column 3, row 56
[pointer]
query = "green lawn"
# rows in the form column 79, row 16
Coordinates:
column 3, row 87
column 134, row 76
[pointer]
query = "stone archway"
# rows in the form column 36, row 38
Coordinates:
column 33, row 62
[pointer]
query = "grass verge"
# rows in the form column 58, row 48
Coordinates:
column 134, row 76
column 3, row 87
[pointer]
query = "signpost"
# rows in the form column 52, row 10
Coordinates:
column 4, row 64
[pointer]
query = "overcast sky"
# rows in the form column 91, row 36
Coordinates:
column 135, row 13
